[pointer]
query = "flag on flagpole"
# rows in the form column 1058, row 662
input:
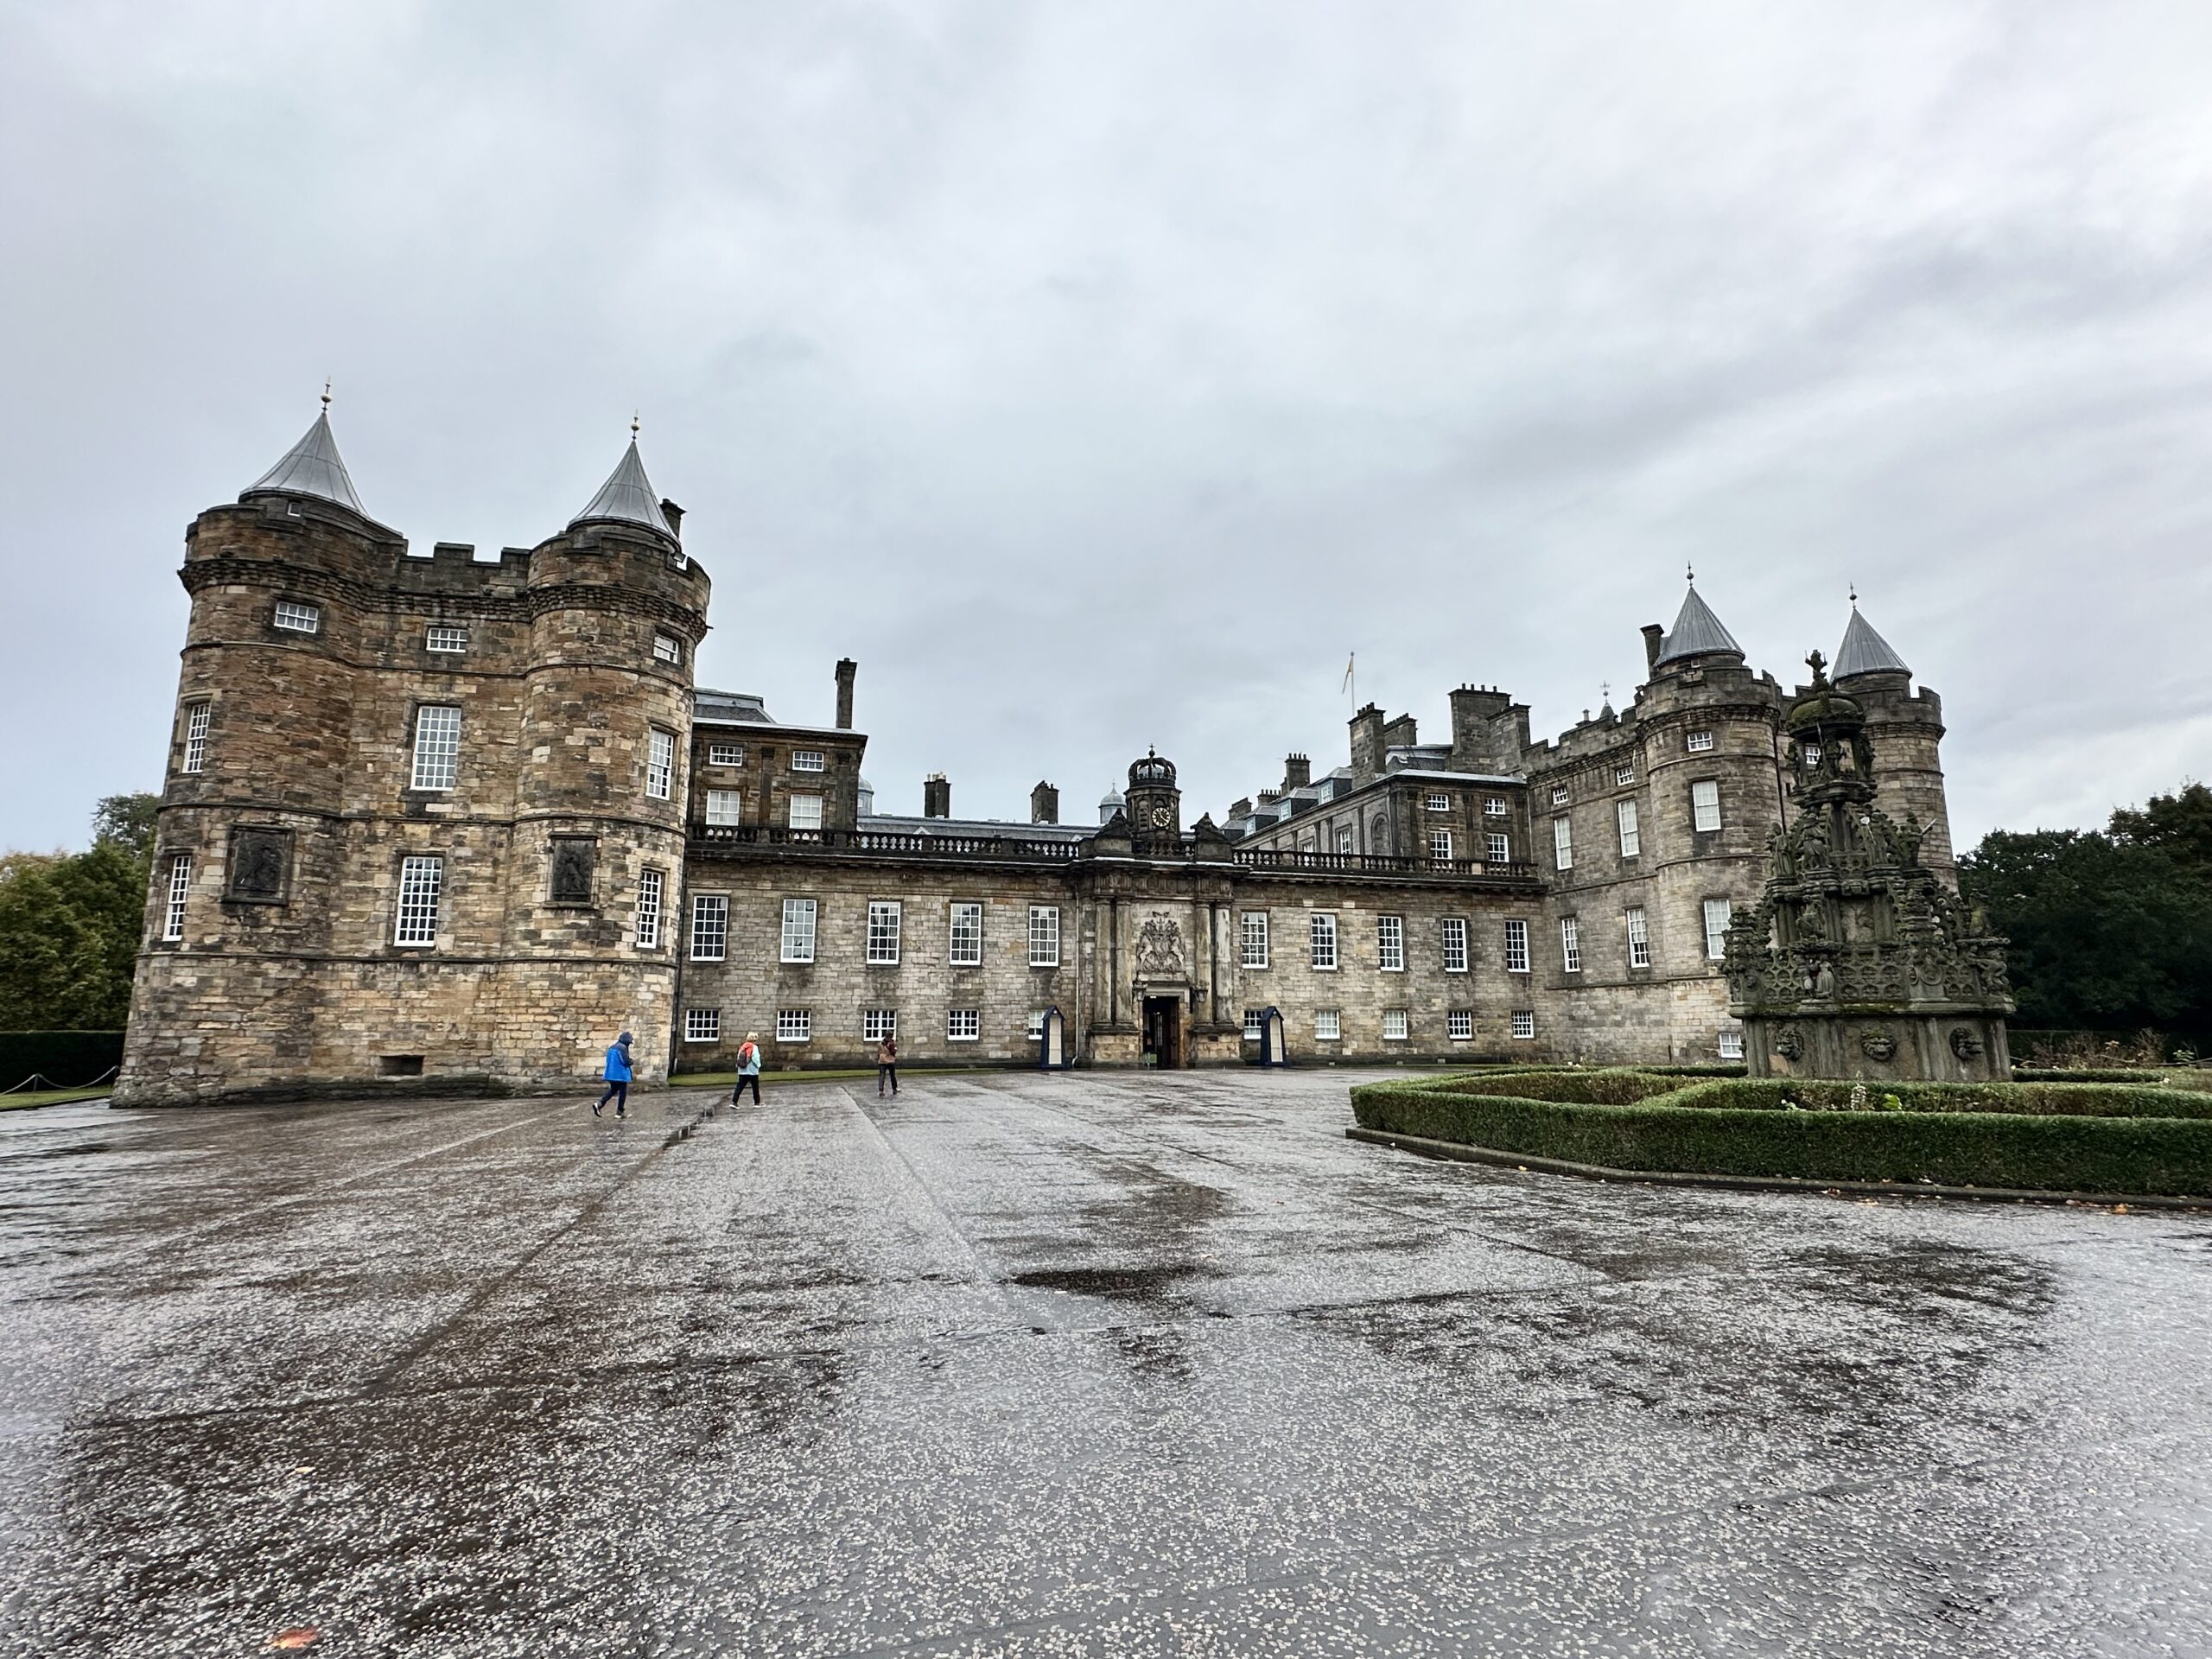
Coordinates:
column 1347, row 686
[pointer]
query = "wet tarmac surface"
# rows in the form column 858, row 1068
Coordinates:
column 1087, row 1363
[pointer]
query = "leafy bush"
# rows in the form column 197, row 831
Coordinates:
column 1610, row 1087
column 68, row 1059
column 2056, row 1137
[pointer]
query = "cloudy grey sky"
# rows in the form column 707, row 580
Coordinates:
column 1100, row 375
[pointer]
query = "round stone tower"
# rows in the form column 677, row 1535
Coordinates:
column 616, row 614
column 1906, row 728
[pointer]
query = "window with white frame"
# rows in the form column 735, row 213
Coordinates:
column 1563, row 843
column 702, row 1025
column 804, row 812
column 1043, row 936
column 1396, row 1025
column 1034, row 1031
column 666, row 649
column 1559, row 794
column 1321, row 939
column 1328, row 1024
column 421, row 878
column 877, row 1024
column 179, row 889
column 445, row 637
column 1516, row 947
column 725, row 754
column 1390, row 944
column 1524, row 1023
column 1732, row 1043
column 1705, row 805
column 965, row 946
column 437, row 746
column 807, row 761
column 299, row 617
column 794, row 1024
column 1343, row 838
column 1454, row 929
column 1623, row 775
column 1252, row 939
column 1716, row 928
column 196, row 734
column 1639, row 938
column 1440, row 803
column 660, row 763
column 883, row 933
column 799, row 930
column 1494, row 807
column 710, row 926
column 962, row 1025
column 1440, row 846
column 645, row 929
column 1570, row 945
column 1460, row 1025
column 1499, row 849
column 1255, row 1024
column 1631, row 833
column 1698, row 742
column 725, row 806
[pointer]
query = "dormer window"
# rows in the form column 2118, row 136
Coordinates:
column 296, row 616
column 667, row 648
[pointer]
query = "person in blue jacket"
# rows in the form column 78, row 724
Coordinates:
column 618, row 1079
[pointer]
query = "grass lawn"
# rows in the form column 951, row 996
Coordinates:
column 49, row 1097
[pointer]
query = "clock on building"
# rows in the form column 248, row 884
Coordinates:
column 1155, row 803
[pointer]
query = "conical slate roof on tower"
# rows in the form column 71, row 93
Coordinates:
column 312, row 468
column 1864, row 652
column 1696, row 632
column 626, row 497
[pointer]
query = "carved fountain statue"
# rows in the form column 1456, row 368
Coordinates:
column 1859, row 962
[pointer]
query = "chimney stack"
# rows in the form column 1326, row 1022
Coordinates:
column 1654, row 636
column 1044, row 804
column 936, row 796
column 674, row 514
column 846, row 669
column 1297, row 773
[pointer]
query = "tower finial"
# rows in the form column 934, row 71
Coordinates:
column 326, row 391
column 634, row 426
column 1854, row 592
column 1691, row 570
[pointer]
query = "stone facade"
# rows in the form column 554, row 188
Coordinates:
column 616, row 849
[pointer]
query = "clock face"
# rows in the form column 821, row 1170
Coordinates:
column 1160, row 818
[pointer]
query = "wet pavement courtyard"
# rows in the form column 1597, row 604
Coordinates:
column 1050, row 1365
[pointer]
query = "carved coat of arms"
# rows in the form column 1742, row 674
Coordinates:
column 1160, row 949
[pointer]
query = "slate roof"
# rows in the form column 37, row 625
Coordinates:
column 1864, row 652
column 311, row 467
column 626, row 497
column 1696, row 632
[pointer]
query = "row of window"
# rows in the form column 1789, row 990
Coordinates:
column 447, row 638
column 1705, row 817
column 1323, row 940
column 877, row 1025
column 732, row 754
column 1397, row 1025
column 886, row 930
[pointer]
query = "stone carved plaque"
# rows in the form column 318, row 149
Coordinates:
column 1966, row 1043
column 1877, row 1045
column 1160, row 949
column 573, row 859
column 261, row 866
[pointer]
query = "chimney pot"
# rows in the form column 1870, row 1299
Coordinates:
column 846, row 669
column 1044, row 804
column 674, row 514
column 936, row 796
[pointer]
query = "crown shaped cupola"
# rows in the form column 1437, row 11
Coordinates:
column 1697, row 632
column 1864, row 652
column 311, row 467
column 626, row 497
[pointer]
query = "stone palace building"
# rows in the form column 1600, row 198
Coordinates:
column 437, row 818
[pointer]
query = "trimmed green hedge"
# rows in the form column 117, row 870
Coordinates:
column 68, row 1058
column 2079, row 1137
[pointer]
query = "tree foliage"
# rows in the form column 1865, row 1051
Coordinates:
column 128, row 820
column 2109, row 931
column 69, row 930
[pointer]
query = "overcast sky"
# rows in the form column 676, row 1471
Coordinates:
column 1101, row 376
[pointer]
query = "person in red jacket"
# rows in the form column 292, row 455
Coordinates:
column 748, row 1068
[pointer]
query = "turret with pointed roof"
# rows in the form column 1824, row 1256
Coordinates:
column 311, row 467
column 1864, row 652
column 1697, row 632
column 628, row 497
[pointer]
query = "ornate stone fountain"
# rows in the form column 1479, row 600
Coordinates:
column 1858, row 961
